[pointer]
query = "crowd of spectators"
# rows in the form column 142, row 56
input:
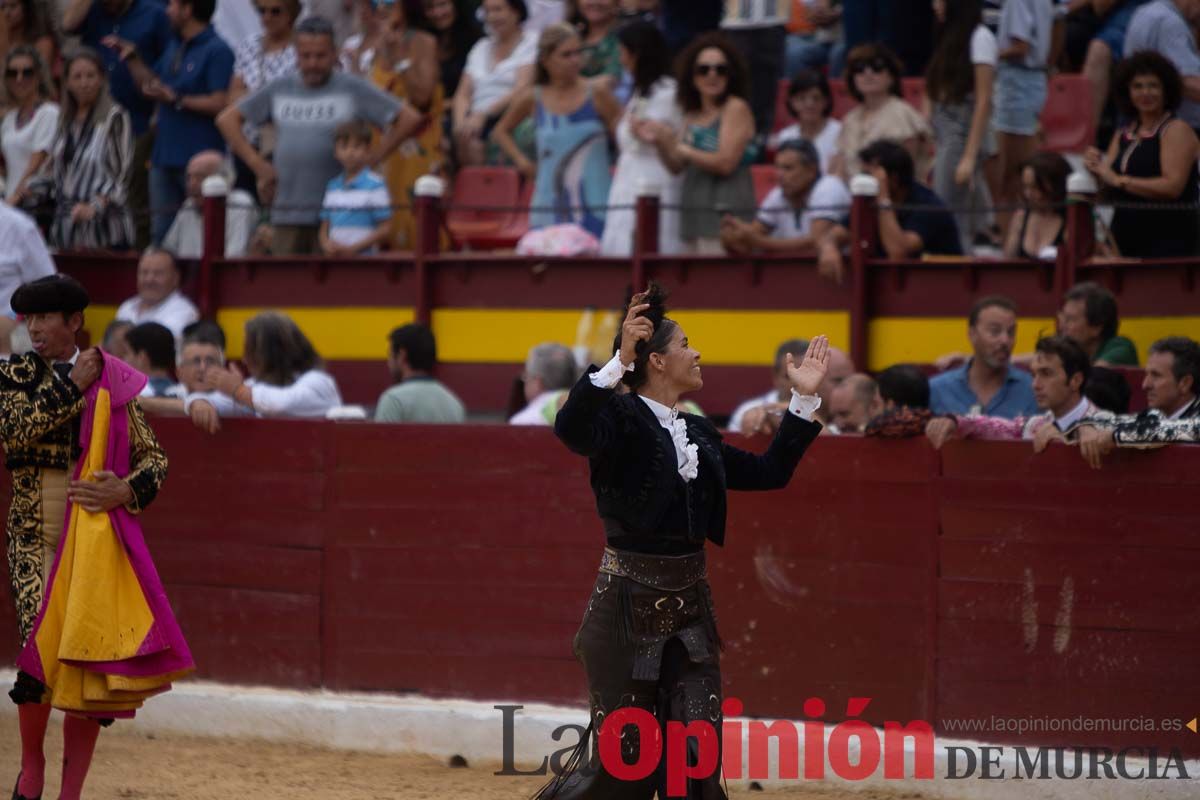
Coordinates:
column 322, row 117
column 107, row 103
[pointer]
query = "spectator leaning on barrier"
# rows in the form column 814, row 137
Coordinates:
column 854, row 403
column 286, row 376
column 1089, row 316
column 1038, row 227
column 306, row 109
column 93, row 155
column 202, row 349
column 1060, row 370
column 185, row 237
column 189, row 84
column 158, row 298
column 798, row 213
column 913, row 221
column 550, row 371
column 1172, row 377
column 418, row 397
column 988, row 383
column 1167, row 27
column 152, row 352
column 1151, row 160
column 762, row 414
column 904, row 390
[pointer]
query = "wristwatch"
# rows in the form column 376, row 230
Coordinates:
column 179, row 102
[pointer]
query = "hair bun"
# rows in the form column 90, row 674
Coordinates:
column 656, row 298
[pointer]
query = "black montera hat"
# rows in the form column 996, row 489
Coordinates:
column 53, row 293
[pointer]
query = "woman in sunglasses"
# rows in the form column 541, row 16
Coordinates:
column 259, row 60
column 27, row 22
column 27, row 131
column 717, row 144
column 873, row 79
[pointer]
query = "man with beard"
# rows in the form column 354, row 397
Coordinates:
column 417, row 396
column 988, row 383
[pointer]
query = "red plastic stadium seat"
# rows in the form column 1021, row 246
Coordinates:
column 510, row 232
column 765, row 180
column 496, row 187
column 1067, row 117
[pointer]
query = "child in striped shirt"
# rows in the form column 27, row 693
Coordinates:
column 356, row 214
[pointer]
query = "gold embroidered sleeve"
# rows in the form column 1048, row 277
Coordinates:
column 30, row 405
column 147, row 461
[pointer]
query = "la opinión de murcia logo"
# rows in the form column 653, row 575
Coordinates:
column 854, row 750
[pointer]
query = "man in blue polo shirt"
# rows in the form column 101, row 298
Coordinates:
column 988, row 383
column 144, row 24
column 189, row 84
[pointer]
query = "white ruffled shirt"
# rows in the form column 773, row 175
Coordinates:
column 687, row 454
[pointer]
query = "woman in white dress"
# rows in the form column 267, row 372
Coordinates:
column 644, row 54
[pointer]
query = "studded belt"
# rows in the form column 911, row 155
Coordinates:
column 669, row 573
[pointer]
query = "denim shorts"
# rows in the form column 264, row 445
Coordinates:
column 1018, row 99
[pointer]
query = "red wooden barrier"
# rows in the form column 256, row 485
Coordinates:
column 456, row 561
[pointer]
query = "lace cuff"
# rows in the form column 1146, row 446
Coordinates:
column 804, row 405
column 608, row 376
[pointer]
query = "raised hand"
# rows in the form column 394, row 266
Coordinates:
column 87, row 368
column 808, row 375
column 635, row 329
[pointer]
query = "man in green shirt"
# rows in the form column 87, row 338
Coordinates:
column 1089, row 316
column 417, row 396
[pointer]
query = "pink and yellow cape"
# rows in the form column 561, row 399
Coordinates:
column 105, row 638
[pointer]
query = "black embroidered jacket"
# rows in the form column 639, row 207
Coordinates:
column 645, row 504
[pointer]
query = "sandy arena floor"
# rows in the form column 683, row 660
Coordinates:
column 133, row 766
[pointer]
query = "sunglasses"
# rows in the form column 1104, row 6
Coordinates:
column 721, row 70
column 875, row 65
column 270, row 11
column 23, row 72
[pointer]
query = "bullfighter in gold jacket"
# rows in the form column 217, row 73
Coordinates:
column 41, row 400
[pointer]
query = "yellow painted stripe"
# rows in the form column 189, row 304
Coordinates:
column 921, row 340
column 350, row 334
column 731, row 337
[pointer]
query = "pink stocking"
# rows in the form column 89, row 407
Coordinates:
column 32, row 718
column 79, row 742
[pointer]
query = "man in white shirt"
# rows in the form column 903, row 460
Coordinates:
column 158, row 298
column 798, row 213
column 23, row 259
column 550, row 371
column 185, row 237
